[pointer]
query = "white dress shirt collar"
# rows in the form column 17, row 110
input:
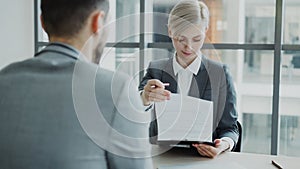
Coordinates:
column 193, row 67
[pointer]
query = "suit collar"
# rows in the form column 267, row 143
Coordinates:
column 62, row 48
column 193, row 67
column 170, row 69
column 168, row 76
column 199, row 81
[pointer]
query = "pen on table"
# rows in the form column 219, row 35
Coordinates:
column 276, row 164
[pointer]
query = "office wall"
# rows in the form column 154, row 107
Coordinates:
column 16, row 31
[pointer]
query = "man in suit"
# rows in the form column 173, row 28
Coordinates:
column 189, row 72
column 58, row 110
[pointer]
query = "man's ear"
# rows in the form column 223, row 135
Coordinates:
column 97, row 21
column 42, row 22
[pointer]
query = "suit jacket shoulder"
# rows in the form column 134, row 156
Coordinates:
column 49, row 101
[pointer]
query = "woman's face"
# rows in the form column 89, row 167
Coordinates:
column 188, row 44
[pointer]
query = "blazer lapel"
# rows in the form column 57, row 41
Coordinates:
column 168, row 76
column 199, row 81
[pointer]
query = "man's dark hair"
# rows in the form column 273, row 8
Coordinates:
column 65, row 18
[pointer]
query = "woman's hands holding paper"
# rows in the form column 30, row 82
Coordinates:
column 212, row 151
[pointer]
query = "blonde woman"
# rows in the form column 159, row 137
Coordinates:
column 189, row 72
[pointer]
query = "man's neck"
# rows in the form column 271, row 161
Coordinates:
column 75, row 43
column 83, row 46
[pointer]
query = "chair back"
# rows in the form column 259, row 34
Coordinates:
column 238, row 146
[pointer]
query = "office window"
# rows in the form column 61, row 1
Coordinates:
column 292, row 22
column 231, row 21
column 259, row 66
column 290, row 82
column 289, row 104
column 127, row 61
column 124, row 21
column 41, row 34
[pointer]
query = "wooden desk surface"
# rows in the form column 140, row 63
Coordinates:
column 183, row 157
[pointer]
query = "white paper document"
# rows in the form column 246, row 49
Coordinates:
column 184, row 118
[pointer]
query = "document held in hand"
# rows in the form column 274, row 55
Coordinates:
column 184, row 118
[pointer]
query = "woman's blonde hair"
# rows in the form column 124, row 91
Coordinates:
column 187, row 12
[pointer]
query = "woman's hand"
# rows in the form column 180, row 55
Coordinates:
column 210, row 151
column 154, row 91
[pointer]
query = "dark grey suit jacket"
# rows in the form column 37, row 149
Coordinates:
column 212, row 82
column 40, row 129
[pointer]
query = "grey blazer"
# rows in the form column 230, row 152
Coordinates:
column 40, row 129
column 212, row 82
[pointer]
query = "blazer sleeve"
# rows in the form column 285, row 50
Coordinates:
column 227, row 126
column 154, row 71
column 129, row 136
column 149, row 75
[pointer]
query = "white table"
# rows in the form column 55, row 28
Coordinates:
column 182, row 158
